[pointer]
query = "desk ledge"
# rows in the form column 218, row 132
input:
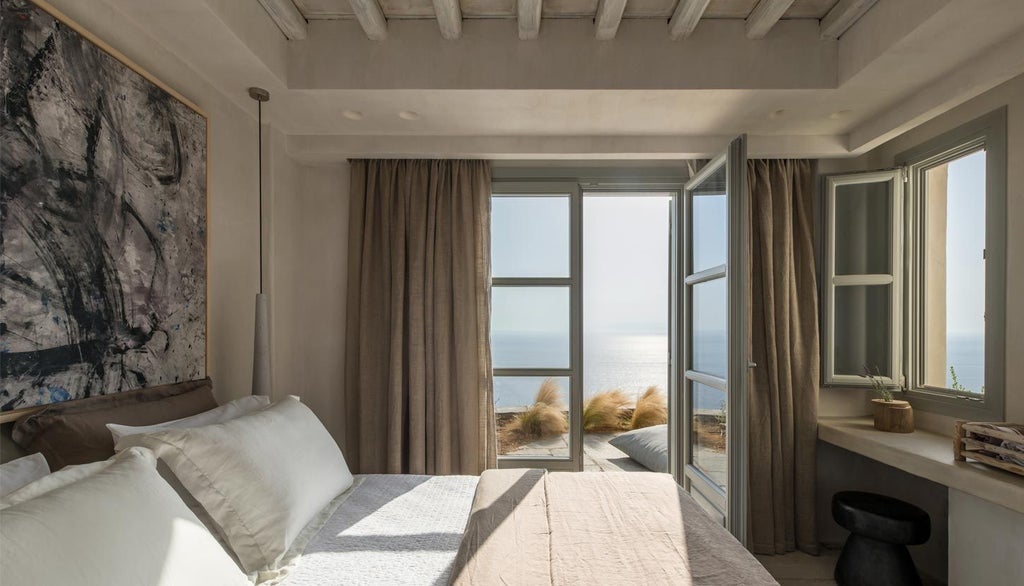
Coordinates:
column 925, row 454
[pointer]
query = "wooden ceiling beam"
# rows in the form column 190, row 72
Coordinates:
column 449, row 18
column 764, row 16
column 686, row 17
column 287, row 18
column 609, row 16
column 371, row 18
column 529, row 18
column 842, row 16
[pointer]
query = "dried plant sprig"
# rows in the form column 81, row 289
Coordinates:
column 878, row 383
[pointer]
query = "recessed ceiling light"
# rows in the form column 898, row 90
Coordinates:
column 777, row 114
column 839, row 114
column 409, row 115
column 352, row 114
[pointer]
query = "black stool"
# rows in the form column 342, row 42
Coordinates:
column 881, row 528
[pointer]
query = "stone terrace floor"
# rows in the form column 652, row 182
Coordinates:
column 598, row 454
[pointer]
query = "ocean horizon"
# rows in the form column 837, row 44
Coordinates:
column 632, row 362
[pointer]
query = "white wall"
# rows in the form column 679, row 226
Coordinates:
column 309, row 264
column 988, row 540
column 1010, row 94
column 232, row 223
column 985, row 543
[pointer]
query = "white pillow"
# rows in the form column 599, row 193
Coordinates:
column 262, row 477
column 120, row 526
column 17, row 473
column 225, row 412
column 63, row 477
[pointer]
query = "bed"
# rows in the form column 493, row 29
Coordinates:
column 398, row 529
column 268, row 484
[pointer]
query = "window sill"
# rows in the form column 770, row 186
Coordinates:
column 925, row 454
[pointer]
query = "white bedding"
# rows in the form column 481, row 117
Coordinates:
column 388, row 529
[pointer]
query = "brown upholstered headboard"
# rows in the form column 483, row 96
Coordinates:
column 75, row 432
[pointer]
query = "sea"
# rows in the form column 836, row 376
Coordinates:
column 633, row 362
column 629, row 362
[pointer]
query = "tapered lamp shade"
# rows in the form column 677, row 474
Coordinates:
column 261, row 349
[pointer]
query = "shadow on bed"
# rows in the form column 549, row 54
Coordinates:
column 524, row 494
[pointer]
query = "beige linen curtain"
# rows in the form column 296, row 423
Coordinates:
column 418, row 396
column 784, row 344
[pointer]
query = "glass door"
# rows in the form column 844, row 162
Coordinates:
column 536, row 324
column 714, row 366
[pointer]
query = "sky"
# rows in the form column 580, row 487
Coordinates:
column 965, row 244
column 625, row 251
column 625, row 255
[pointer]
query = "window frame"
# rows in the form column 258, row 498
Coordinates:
column 894, row 278
column 561, row 181
column 986, row 133
column 574, row 282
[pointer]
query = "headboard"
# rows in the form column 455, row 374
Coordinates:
column 75, row 432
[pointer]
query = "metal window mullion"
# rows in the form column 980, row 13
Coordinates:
column 862, row 280
column 717, row 272
column 545, row 372
column 576, row 326
column 531, row 281
column 708, row 380
column 707, row 487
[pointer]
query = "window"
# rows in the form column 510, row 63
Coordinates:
column 580, row 327
column 915, row 285
column 534, row 309
column 863, row 294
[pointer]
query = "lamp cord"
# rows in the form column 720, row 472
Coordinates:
column 259, row 106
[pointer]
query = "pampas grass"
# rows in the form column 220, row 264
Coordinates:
column 545, row 418
column 651, row 409
column 549, row 393
column 603, row 411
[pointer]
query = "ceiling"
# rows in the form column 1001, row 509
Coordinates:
column 567, row 93
column 734, row 9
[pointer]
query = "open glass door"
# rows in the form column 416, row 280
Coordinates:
column 536, row 324
column 714, row 357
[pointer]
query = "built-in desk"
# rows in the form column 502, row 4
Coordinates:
column 925, row 454
column 985, row 521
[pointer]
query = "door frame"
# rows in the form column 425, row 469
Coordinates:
column 574, row 282
column 733, row 503
column 560, row 181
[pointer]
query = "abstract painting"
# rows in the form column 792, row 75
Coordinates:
column 102, row 220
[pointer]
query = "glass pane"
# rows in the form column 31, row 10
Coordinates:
column 710, row 222
column 530, row 236
column 862, row 229
column 709, row 425
column 863, row 330
column 530, row 327
column 626, row 300
column 954, row 275
column 531, row 416
column 710, row 323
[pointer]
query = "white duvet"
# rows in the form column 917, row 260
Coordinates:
column 387, row 529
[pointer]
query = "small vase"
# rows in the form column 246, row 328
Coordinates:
column 893, row 416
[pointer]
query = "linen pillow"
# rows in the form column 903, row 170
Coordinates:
column 63, row 477
column 648, row 446
column 76, row 433
column 120, row 526
column 225, row 412
column 17, row 473
column 262, row 477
